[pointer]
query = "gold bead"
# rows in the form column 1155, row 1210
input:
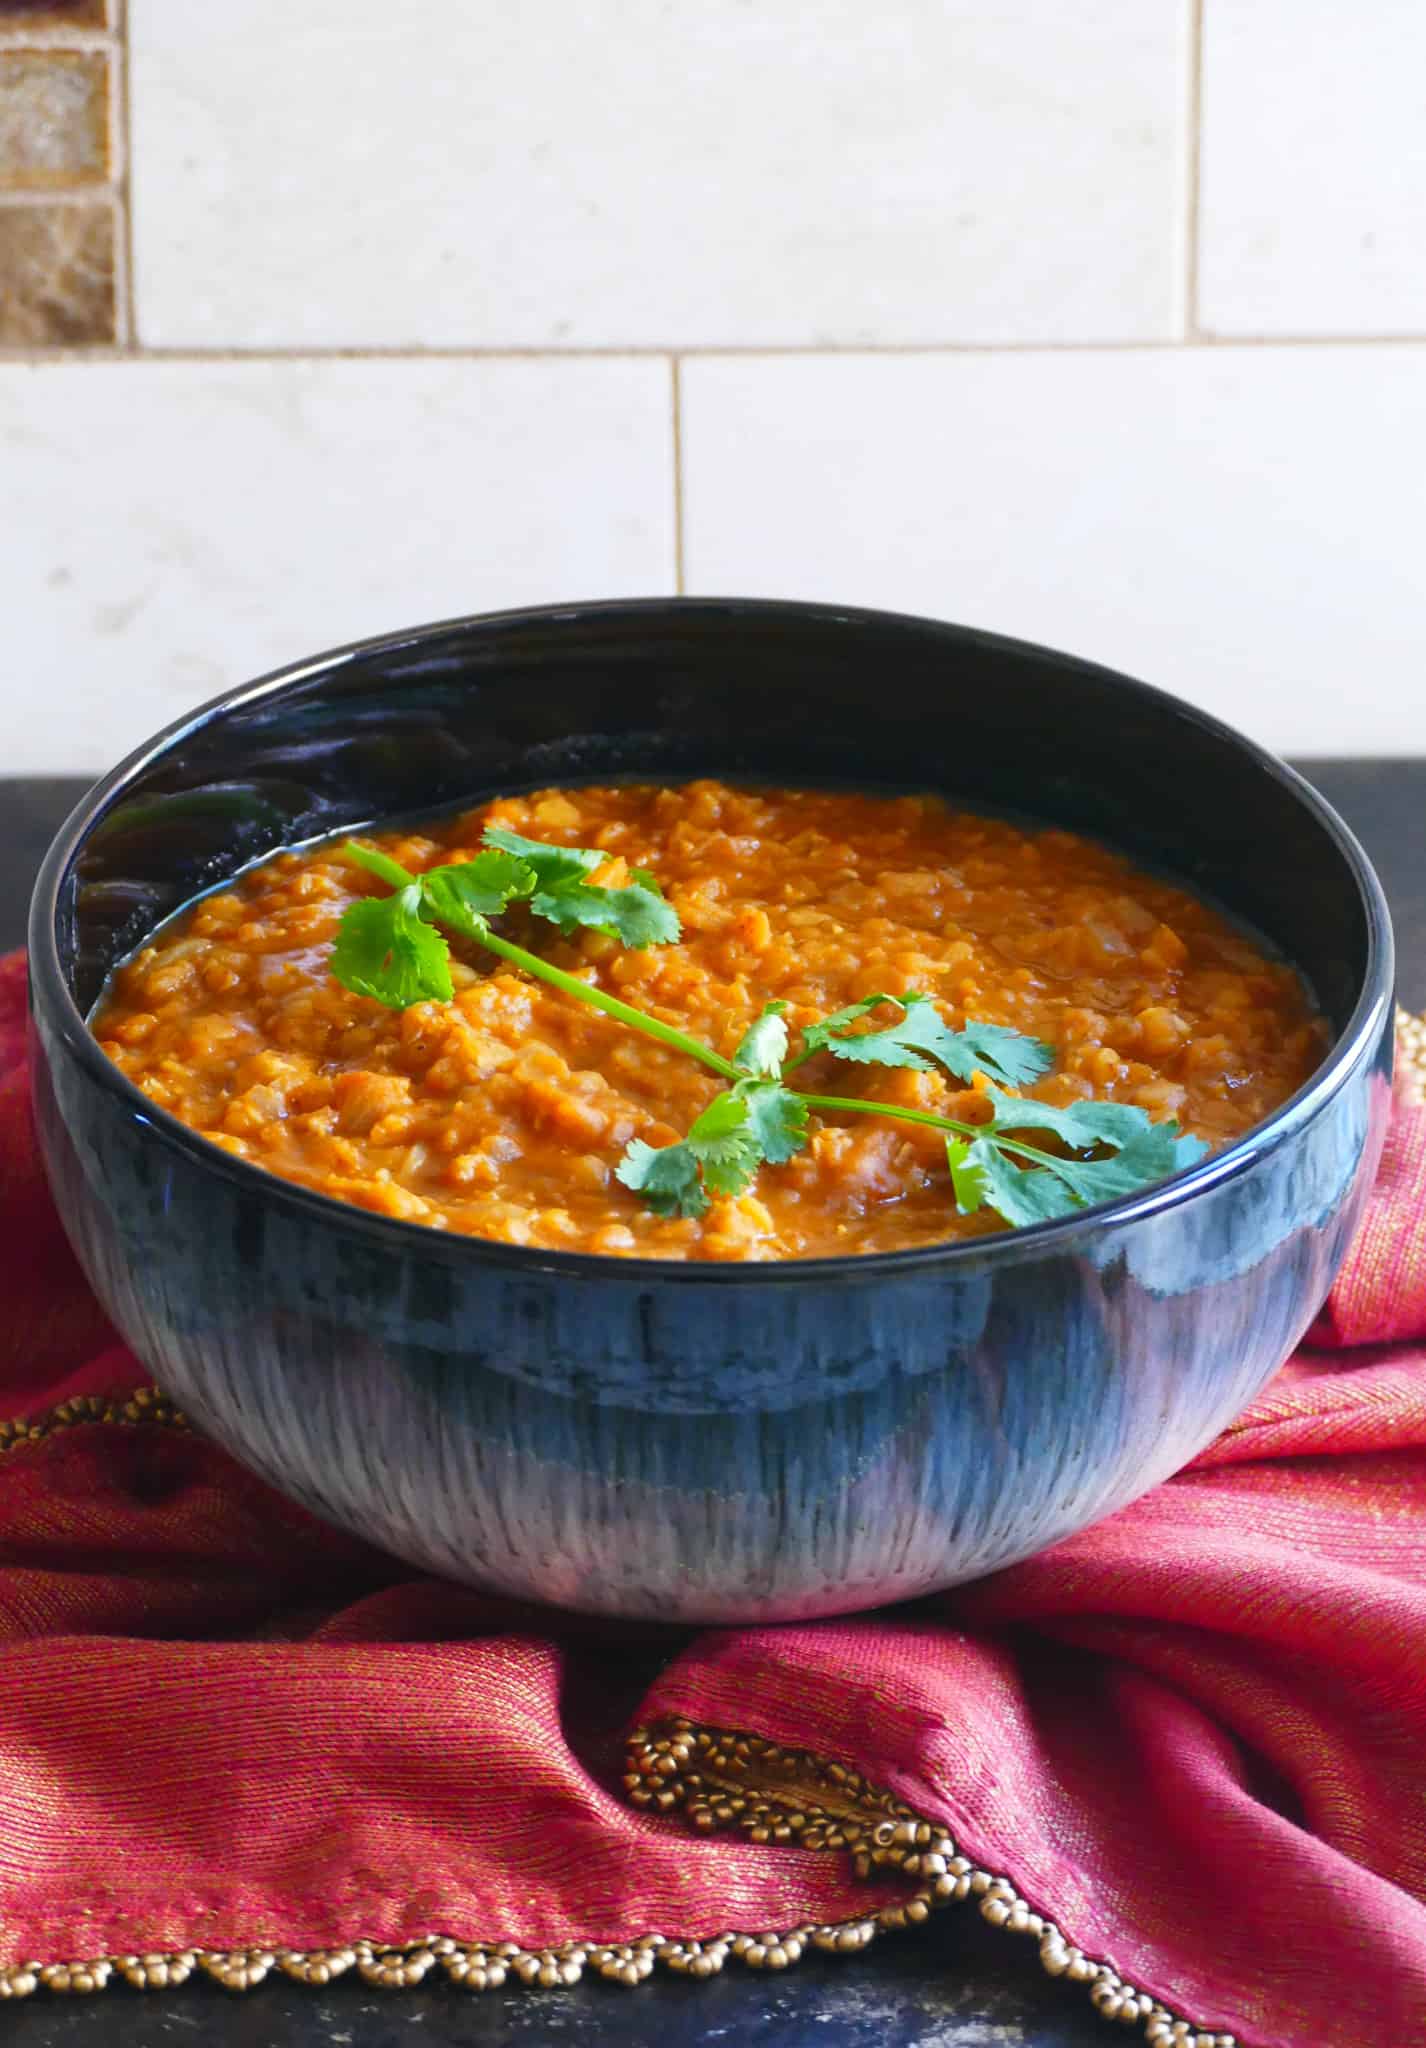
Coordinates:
column 76, row 1977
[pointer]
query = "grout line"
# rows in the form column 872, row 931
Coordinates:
column 649, row 352
column 676, row 387
column 67, row 195
column 1405, row 338
column 621, row 350
column 93, row 41
column 126, row 328
column 1193, row 195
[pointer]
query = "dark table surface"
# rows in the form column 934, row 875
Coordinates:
column 953, row 1984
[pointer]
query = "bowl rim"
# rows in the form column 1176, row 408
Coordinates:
column 1357, row 1042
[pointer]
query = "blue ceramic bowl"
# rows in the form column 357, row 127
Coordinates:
column 707, row 1442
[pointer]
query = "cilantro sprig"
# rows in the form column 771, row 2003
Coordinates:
column 757, row 1122
column 388, row 946
column 1112, row 1148
column 562, row 892
column 392, row 949
column 385, row 949
column 1126, row 1152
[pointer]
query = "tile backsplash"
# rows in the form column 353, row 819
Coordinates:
column 60, row 173
column 740, row 172
column 1314, row 168
column 1192, row 515
column 54, row 118
column 179, row 510
column 1101, row 325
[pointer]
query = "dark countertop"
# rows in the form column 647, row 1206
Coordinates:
column 955, row 1984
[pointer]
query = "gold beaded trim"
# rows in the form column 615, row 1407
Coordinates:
column 150, row 1407
column 771, row 1794
column 718, row 1780
column 1411, row 1050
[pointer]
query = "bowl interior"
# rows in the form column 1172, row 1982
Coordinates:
column 678, row 688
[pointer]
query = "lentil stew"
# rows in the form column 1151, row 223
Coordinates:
column 504, row 1113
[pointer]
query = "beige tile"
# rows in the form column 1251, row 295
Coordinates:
column 189, row 524
column 54, row 118
column 643, row 172
column 1313, row 217
column 57, row 274
column 1240, row 525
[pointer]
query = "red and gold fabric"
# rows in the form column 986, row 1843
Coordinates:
column 1192, row 1740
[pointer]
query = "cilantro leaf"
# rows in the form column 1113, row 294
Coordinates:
column 387, row 947
column 967, row 1162
column 755, row 1122
column 719, row 1156
column 817, row 1037
column 665, row 1175
column 551, row 864
column 724, row 1145
column 777, row 1119
column 989, row 1048
column 636, row 914
column 1005, row 1054
column 386, row 950
column 466, row 893
column 987, row 1177
column 1029, row 1185
column 763, row 1046
column 1155, row 1149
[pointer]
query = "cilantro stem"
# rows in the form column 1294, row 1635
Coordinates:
column 893, row 1109
column 953, row 1125
column 637, row 1020
column 377, row 863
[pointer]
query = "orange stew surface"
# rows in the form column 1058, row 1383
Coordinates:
column 504, row 1114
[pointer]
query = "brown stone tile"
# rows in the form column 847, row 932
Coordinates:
column 37, row 14
column 57, row 274
column 54, row 118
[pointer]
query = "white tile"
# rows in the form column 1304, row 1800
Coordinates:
column 178, row 527
column 1240, row 525
column 353, row 173
column 1314, row 167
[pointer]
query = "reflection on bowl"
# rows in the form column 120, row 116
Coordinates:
column 707, row 1442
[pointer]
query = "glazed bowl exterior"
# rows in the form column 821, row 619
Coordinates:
column 698, row 1442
